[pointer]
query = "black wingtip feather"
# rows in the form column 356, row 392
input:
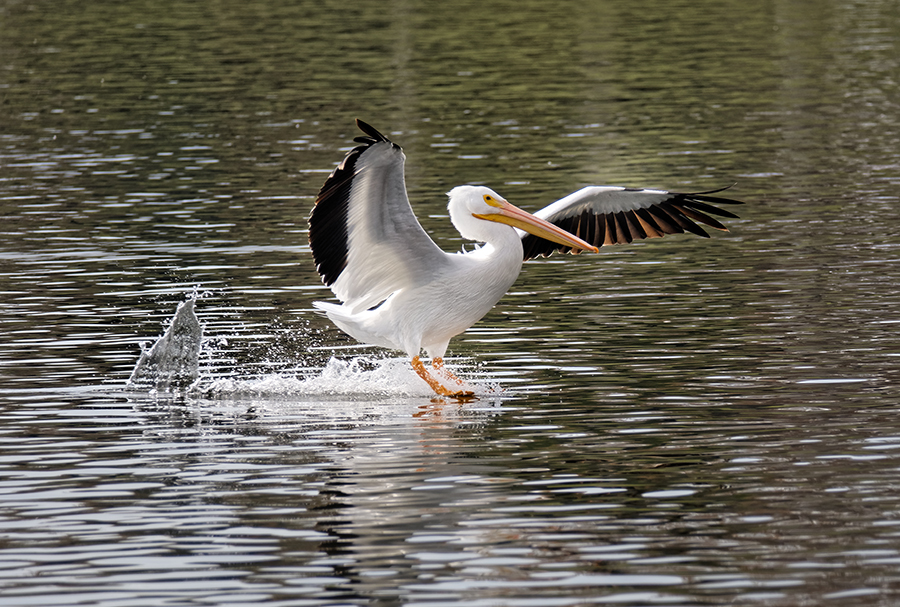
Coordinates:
column 676, row 214
column 372, row 133
column 328, row 220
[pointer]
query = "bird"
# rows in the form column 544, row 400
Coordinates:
column 399, row 290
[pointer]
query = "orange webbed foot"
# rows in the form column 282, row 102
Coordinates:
column 438, row 365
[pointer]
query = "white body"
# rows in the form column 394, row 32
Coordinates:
column 426, row 316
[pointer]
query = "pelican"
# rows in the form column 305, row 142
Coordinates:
column 399, row 290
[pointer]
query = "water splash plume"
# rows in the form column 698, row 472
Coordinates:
column 173, row 361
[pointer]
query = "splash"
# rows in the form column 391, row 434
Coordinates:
column 178, row 362
column 173, row 361
column 357, row 377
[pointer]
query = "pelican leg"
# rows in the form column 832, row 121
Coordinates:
column 434, row 383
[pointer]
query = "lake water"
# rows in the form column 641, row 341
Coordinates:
column 682, row 421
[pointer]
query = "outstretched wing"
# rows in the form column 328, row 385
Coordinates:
column 365, row 239
column 605, row 215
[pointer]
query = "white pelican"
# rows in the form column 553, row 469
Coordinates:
column 399, row 290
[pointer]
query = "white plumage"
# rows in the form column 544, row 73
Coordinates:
column 399, row 290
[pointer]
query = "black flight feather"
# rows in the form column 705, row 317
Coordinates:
column 328, row 220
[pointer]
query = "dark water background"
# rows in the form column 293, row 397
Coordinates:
column 685, row 421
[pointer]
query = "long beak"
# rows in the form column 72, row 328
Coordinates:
column 514, row 216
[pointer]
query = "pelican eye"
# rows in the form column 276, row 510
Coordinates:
column 492, row 201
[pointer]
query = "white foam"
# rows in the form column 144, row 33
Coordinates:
column 360, row 377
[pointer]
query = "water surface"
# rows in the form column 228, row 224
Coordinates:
column 684, row 421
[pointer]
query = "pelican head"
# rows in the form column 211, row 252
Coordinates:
column 476, row 210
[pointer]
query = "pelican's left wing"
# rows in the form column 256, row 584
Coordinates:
column 605, row 215
column 364, row 236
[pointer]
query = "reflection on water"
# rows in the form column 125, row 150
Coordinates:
column 684, row 421
column 336, row 500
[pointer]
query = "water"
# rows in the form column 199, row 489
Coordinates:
column 683, row 421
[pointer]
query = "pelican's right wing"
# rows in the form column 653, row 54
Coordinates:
column 364, row 236
column 605, row 215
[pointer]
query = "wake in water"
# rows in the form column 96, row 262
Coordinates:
column 173, row 365
column 358, row 376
